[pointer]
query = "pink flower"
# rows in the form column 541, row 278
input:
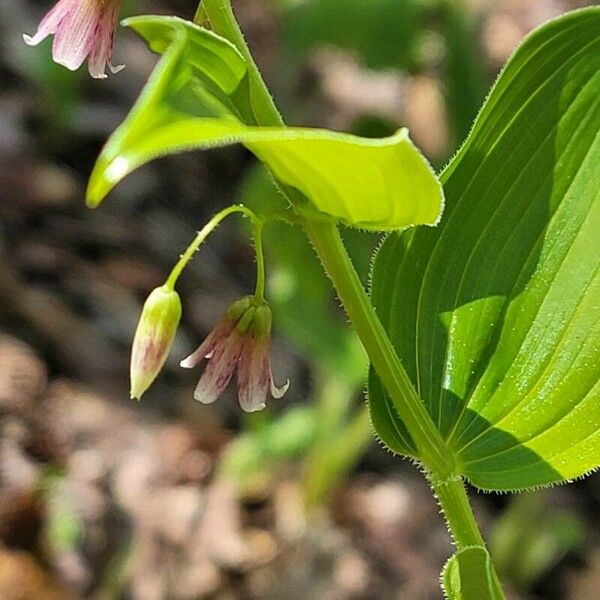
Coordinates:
column 82, row 29
column 242, row 340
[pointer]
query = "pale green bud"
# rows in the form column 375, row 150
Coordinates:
column 241, row 340
column 153, row 338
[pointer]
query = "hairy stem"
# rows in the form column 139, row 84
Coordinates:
column 454, row 502
column 260, row 260
column 216, row 220
column 223, row 21
column 326, row 240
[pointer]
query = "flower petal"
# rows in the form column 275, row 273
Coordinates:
column 206, row 349
column 115, row 69
column 254, row 374
column 278, row 391
column 102, row 47
column 219, row 370
column 50, row 23
column 75, row 35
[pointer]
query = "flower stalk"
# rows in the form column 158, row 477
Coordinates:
column 241, row 339
column 201, row 236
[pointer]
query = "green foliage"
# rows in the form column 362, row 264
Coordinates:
column 531, row 536
column 384, row 35
column 253, row 454
column 198, row 97
column 468, row 575
column 496, row 313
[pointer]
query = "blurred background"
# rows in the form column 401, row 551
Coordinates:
column 101, row 497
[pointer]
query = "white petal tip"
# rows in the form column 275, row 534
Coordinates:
column 279, row 392
column 115, row 69
column 28, row 40
column 255, row 408
column 203, row 398
column 135, row 393
column 187, row 363
column 67, row 63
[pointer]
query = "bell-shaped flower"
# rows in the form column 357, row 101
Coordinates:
column 153, row 338
column 241, row 340
column 82, row 29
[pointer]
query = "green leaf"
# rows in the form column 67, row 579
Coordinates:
column 496, row 313
column 198, row 97
column 253, row 453
column 531, row 536
column 468, row 575
column 385, row 36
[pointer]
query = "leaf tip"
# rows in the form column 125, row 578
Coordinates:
column 104, row 177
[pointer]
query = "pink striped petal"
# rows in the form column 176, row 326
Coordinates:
column 74, row 39
column 219, row 369
column 254, row 374
column 104, row 39
column 50, row 23
column 215, row 338
column 82, row 29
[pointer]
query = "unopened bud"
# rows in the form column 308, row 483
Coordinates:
column 153, row 338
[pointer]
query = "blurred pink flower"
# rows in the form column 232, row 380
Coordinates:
column 242, row 340
column 82, row 29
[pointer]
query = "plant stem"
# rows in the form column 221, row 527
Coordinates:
column 453, row 499
column 223, row 21
column 260, row 260
column 200, row 18
column 185, row 258
column 326, row 240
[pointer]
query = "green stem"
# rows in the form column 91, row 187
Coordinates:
column 453, row 499
column 260, row 260
column 331, row 251
column 185, row 258
column 200, row 17
column 326, row 240
column 223, row 21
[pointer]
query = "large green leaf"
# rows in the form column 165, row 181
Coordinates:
column 468, row 575
column 198, row 97
column 496, row 313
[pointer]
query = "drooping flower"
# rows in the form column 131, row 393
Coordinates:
column 241, row 340
column 153, row 338
column 82, row 29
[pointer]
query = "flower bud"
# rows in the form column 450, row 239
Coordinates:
column 153, row 338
